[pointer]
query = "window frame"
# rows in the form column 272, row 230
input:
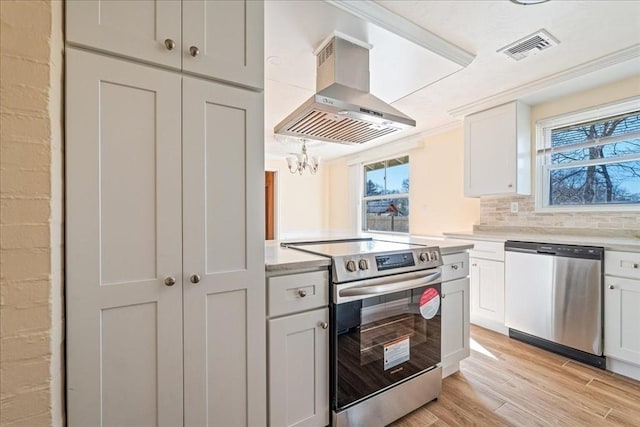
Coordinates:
column 364, row 198
column 543, row 135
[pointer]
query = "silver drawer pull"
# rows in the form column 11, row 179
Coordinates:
column 169, row 280
column 195, row 278
column 323, row 325
column 302, row 293
column 194, row 51
column 629, row 264
column 454, row 266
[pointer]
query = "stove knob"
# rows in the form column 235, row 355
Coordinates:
column 435, row 255
column 424, row 257
column 364, row 265
column 351, row 266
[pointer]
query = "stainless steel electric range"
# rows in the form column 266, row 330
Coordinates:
column 385, row 328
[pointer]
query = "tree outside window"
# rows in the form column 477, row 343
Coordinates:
column 386, row 196
column 594, row 163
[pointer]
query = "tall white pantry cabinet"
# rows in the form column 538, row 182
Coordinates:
column 164, row 199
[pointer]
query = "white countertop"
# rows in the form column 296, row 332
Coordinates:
column 278, row 258
column 610, row 243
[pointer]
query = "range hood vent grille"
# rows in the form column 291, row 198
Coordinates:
column 326, row 53
column 331, row 127
column 530, row 45
column 342, row 110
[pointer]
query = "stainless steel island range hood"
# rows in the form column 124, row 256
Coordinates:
column 343, row 110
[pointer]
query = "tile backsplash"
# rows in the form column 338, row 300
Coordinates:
column 495, row 212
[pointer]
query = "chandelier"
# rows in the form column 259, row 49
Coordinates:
column 302, row 161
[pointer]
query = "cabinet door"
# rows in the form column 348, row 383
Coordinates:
column 123, row 238
column 487, row 289
column 133, row 28
column 455, row 321
column 299, row 370
column 490, row 152
column 622, row 319
column 229, row 38
column 223, row 238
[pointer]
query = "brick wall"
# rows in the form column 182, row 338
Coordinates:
column 30, row 213
column 496, row 212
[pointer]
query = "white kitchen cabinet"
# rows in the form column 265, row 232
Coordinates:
column 299, row 369
column 221, row 39
column 487, row 293
column 622, row 313
column 164, row 189
column 132, row 28
column 298, row 350
column 497, row 151
column 229, row 36
column 223, row 244
column 455, row 312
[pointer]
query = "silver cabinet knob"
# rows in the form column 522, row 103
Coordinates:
column 323, row 325
column 302, row 293
column 169, row 44
column 195, row 278
column 169, row 280
column 611, row 287
column 510, row 185
column 194, row 51
column 454, row 266
column 474, row 265
column 442, row 296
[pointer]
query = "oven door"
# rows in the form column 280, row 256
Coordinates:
column 385, row 331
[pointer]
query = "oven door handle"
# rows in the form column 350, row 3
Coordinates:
column 390, row 285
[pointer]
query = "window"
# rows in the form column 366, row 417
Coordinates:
column 591, row 159
column 385, row 205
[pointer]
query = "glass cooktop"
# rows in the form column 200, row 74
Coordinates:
column 341, row 248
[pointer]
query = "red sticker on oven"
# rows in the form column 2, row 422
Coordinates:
column 429, row 303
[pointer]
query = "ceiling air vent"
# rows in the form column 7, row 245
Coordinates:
column 530, row 45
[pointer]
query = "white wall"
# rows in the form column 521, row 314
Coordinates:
column 436, row 198
column 436, row 195
column 301, row 205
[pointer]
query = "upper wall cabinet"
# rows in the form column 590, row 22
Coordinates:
column 224, row 40
column 497, row 151
column 221, row 39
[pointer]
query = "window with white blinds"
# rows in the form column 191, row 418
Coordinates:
column 591, row 159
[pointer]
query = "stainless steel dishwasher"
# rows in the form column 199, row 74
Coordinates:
column 554, row 298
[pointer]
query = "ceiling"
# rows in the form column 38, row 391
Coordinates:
column 599, row 42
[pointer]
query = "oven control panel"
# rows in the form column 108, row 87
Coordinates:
column 364, row 266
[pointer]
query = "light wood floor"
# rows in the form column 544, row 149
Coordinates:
column 506, row 382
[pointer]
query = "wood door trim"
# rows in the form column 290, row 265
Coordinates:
column 269, row 197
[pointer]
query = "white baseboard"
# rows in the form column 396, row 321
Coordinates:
column 490, row 324
column 450, row 369
column 623, row 368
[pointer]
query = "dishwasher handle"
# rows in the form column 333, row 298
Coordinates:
column 546, row 253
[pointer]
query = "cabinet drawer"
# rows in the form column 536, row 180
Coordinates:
column 455, row 266
column 487, row 250
column 622, row 264
column 297, row 292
